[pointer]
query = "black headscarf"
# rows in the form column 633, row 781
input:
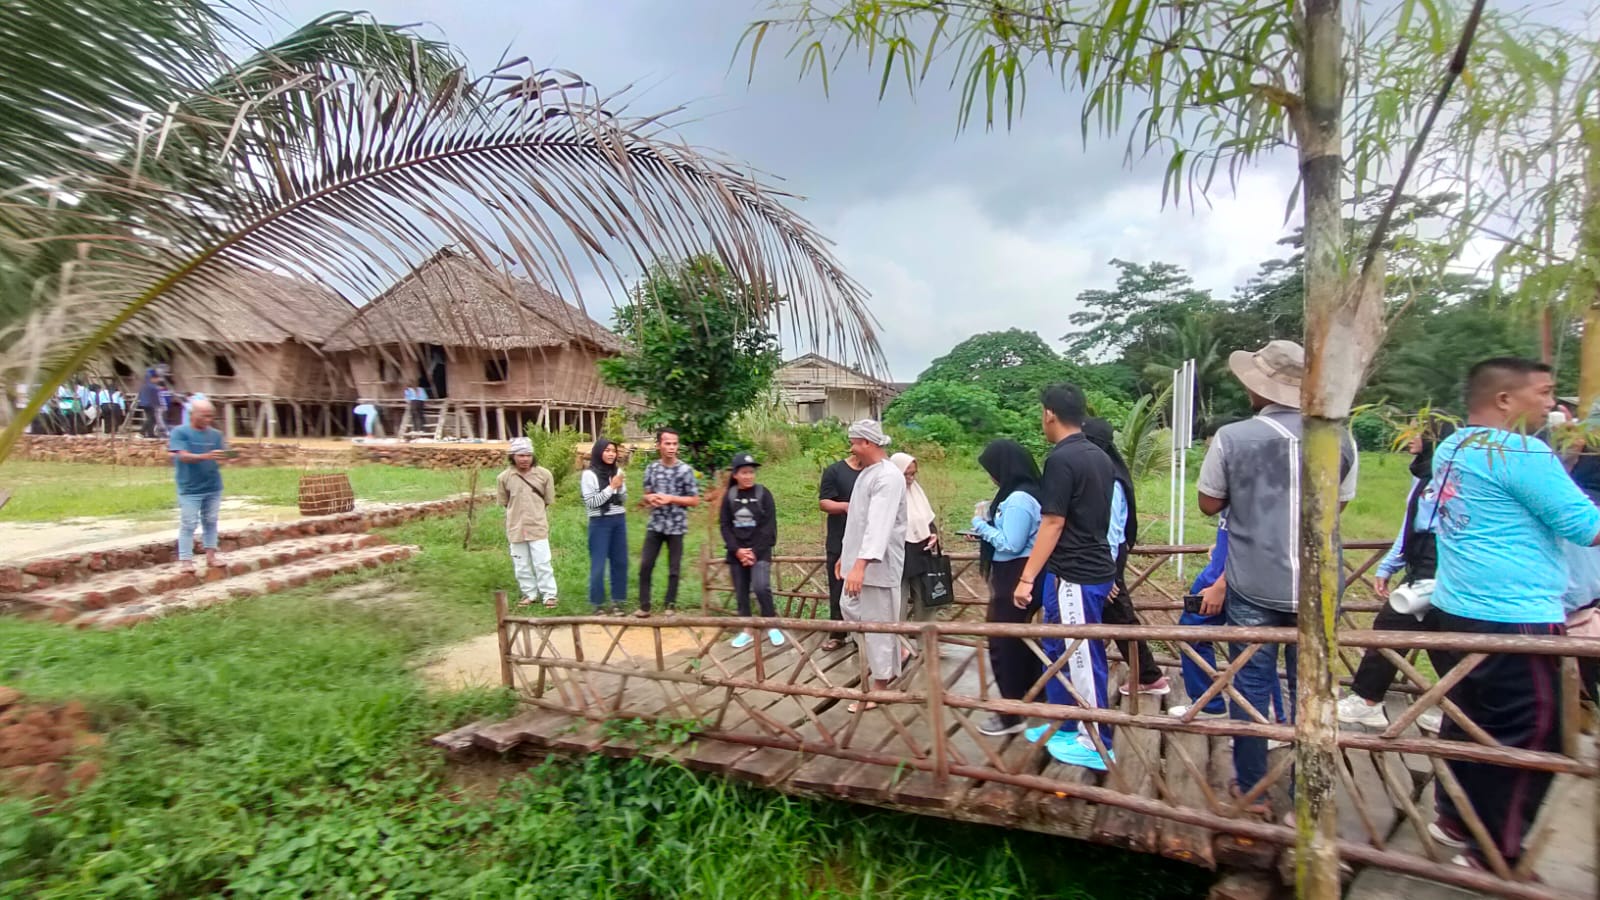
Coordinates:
column 1013, row 469
column 1418, row 549
column 603, row 470
column 597, row 463
column 1099, row 433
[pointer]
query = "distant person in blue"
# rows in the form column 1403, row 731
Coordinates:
column 1506, row 503
column 149, row 400
column 197, row 452
column 1005, row 528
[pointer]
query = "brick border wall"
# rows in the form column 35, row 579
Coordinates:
column 47, row 571
column 134, row 451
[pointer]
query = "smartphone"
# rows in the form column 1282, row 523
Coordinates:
column 969, row 535
column 1191, row 603
column 230, row 454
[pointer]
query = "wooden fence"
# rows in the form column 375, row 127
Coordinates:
column 778, row 716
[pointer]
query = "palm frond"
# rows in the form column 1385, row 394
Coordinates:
column 354, row 183
column 74, row 67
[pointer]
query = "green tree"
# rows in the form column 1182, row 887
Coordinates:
column 1213, row 84
column 1148, row 302
column 1014, row 365
column 699, row 355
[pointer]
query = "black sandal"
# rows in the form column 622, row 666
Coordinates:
column 831, row 644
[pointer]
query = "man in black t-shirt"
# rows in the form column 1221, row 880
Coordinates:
column 833, row 498
column 1074, row 555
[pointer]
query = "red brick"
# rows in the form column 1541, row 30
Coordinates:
column 10, row 579
column 93, row 600
column 50, row 567
column 126, row 593
column 215, row 573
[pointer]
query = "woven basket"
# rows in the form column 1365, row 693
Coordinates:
column 326, row 495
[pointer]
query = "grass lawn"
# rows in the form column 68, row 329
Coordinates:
column 276, row 747
column 50, row 491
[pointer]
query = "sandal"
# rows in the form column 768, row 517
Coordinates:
column 831, row 644
column 525, row 601
column 858, row 706
column 550, row 602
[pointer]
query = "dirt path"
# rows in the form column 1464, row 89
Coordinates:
column 475, row 662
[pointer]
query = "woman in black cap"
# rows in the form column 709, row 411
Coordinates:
column 750, row 531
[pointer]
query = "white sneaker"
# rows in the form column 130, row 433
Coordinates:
column 1431, row 721
column 1445, row 837
column 1178, row 712
column 1354, row 711
column 775, row 637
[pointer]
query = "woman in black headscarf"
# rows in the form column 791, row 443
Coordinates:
column 1005, row 528
column 605, row 491
column 1414, row 551
column 1124, row 533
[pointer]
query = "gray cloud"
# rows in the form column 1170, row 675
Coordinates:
column 951, row 234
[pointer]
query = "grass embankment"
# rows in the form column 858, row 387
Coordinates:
column 275, row 747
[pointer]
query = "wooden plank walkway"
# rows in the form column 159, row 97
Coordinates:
column 781, row 718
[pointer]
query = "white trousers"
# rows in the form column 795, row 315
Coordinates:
column 876, row 604
column 536, row 578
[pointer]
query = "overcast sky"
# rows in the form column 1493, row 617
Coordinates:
column 952, row 234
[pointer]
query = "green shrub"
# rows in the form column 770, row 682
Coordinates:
column 557, row 450
column 1372, row 431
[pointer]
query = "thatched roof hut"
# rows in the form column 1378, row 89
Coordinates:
column 498, row 349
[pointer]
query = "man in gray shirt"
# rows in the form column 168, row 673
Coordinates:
column 1252, row 469
column 874, row 551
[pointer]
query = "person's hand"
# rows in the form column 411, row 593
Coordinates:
column 1380, row 586
column 1022, row 596
column 836, row 572
column 857, row 576
column 746, row 556
column 1211, row 599
column 616, row 482
column 932, row 542
column 214, row 455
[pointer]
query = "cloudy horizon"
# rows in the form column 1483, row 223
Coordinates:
column 951, row 234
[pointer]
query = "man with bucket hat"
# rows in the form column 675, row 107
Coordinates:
column 526, row 489
column 1252, row 470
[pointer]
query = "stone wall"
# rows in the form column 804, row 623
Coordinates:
column 133, row 451
column 67, row 568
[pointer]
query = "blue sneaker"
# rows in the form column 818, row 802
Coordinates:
column 742, row 640
column 1035, row 733
column 1078, row 753
column 776, row 637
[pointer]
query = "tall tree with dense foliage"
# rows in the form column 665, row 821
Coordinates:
column 699, row 355
column 1212, row 85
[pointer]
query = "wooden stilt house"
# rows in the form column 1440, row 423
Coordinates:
column 494, row 353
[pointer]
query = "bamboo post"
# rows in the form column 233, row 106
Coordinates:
column 705, row 578
column 472, row 502
column 504, row 636
column 935, row 689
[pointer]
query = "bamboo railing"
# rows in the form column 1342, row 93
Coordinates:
column 1158, row 793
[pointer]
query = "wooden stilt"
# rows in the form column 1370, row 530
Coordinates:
column 544, row 418
column 299, row 421
column 500, row 418
column 229, row 428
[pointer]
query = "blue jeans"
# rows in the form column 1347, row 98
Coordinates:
column 197, row 509
column 1255, row 682
column 1077, row 604
column 1197, row 682
column 608, row 542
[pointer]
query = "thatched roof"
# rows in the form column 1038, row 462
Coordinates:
column 455, row 300
column 247, row 306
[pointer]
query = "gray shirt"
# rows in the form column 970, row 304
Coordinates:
column 1254, row 465
column 875, row 527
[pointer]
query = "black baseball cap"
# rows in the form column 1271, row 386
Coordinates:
column 741, row 460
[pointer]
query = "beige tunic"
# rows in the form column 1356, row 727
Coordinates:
column 526, row 495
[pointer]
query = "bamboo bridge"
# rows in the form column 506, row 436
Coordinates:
column 779, row 718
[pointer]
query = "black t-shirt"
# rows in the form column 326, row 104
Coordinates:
column 838, row 480
column 1077, row 486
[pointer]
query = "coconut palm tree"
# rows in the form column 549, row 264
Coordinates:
column 319, row 168
column 1186, row 340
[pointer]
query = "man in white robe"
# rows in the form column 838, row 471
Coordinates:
column 874, row 550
